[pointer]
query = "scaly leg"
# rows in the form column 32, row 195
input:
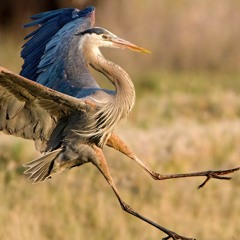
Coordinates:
column 115, row 142
column 100, row 162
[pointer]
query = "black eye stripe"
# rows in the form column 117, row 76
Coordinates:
column 97, row 31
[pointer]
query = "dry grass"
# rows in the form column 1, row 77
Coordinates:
column 182, row 122
column 79, row 204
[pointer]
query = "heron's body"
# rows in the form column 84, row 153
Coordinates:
column 64, row 66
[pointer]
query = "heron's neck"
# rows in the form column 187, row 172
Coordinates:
column 124, row 97
column 119, row 105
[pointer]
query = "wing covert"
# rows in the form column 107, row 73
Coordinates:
column 32, row 111
column 43, row 44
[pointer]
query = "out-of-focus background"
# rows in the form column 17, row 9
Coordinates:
column 186, row 118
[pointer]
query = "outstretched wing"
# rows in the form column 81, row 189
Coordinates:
column 50, row 49
column 32, row 111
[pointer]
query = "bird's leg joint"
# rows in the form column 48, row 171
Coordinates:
column 157, row 176
column 126, row 207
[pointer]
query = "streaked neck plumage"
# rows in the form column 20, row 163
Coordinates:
column 120, row 104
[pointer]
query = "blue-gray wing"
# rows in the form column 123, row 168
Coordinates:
column 47, row 54
column 32, row 111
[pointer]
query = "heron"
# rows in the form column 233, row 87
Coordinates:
column 56, row 102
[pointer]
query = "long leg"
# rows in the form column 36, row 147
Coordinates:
column 101, row 164
column 115, row 142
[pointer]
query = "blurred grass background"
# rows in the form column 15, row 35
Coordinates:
column 186, row 118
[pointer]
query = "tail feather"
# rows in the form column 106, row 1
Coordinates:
column 40, row 169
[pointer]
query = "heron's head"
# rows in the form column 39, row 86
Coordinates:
column 100, row 37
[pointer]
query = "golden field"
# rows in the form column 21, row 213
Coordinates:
column 173, row 132
column 186, row 119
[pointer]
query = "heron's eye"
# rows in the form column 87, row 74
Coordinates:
column 105, row 37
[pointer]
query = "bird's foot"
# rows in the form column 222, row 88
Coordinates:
column 208, row 174
column 175, row 236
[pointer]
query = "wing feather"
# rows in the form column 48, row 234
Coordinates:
column 46, row 43
column 32, row 111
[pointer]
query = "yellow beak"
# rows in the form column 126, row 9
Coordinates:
column 121, row 43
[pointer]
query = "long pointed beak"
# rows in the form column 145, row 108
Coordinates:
column 121, row 43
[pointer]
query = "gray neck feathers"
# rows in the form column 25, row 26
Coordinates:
column 120, row 104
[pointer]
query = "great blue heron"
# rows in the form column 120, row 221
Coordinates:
column 63, row 109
